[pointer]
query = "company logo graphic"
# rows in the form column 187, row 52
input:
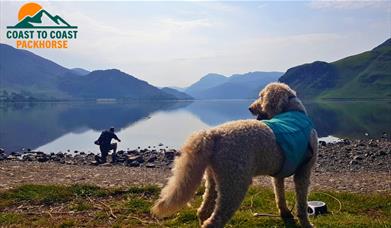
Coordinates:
column 37, row 28
column 32, row 15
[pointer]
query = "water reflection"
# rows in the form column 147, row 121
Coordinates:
column 74, row 126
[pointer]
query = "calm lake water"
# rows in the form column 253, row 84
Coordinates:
column 53, row 127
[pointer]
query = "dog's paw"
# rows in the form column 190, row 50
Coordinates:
column 306, row 224
column 210, row 224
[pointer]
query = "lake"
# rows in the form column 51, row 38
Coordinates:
column 53, row 127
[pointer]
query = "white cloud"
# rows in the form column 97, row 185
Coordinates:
column 350, row 4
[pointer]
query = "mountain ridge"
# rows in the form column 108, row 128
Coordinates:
column 366, row 75
column 43, row 79
column 237, row 86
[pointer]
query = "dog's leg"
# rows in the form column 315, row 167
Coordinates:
column 279, row 193
column 302, row 182
column 209, row 197
column 231, row 188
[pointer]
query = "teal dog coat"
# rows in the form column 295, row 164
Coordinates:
column 292, row 130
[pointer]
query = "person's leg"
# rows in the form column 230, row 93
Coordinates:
column 104, row 152
column 114, row 156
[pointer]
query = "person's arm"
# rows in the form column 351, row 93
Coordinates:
column 116, row 138
column 97, row 142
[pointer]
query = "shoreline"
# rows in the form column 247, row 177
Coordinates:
column 349, row 165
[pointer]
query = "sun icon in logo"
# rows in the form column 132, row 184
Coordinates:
column 28, row 9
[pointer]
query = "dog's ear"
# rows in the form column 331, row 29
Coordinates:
column 276, row 98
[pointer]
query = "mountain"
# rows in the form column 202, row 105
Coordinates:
column 206, row 82
column 178, row 94
column 43, row 79
column 111, row 84
column 38, row 76
column 79, row 71
column 42, row 18
column 238, row 86
column 180, row 89
column 363, row 76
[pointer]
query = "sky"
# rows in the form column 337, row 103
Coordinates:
column 176, row 43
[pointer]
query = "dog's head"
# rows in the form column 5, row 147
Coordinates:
column 273, row 99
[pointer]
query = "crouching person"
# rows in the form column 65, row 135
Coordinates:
column 105, row 145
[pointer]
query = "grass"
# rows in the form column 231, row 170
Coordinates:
column 91, row 206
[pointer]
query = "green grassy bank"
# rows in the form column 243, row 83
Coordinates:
column 84, row 205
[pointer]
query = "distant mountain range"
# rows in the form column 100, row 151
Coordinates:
column 180, row 95
column 80, row 71
column 43, row 79
column 237, row 86
column 363, row 76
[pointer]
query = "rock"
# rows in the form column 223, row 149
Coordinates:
column 382, row 153
column 43, row 158
column 133, row 164
column 322, row 143
column 150, row 165
column 152, row 158
column 161, row 144
column 353, row 162
column 346, row 142
column 170, row 155
column 137, row 158
column 11, row 157
column 357, row 158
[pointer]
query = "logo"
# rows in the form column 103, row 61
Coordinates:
column 37, row 28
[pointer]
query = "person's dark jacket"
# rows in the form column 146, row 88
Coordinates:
column 106, row 137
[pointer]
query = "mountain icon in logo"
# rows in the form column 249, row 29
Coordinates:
column 32, row 15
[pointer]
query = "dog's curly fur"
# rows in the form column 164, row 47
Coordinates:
column 230, row 155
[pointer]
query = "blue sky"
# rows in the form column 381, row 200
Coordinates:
column 176, row 43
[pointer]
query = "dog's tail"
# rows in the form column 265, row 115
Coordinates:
column 188, row 171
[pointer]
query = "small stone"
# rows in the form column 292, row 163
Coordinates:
column 382, row 153
column 170, row 155
column 152, row 158
column 322, row 143
column 150, row 165
column 353, row 162
column 133, row 164
column 137, row 158
column 357, row 158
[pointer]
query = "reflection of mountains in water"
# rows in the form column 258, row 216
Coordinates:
column 218, row 112
column 340, row 119
column 31, row 125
